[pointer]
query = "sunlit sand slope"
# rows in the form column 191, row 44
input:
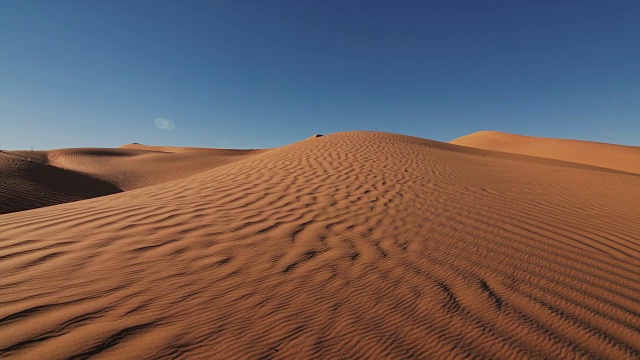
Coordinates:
column 28, row 183
column 32, row 179
column 619, row 157
column 350, row 245
column 135, row 166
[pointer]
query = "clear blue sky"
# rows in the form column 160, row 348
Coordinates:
column 254, row 74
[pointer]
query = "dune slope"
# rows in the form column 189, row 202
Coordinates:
column 350, row 245
column 33, row 179
column 27, row 183
column 618, row 157
column 135, row 166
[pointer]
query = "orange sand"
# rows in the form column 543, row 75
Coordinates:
column 350, row 245
column 619, row 157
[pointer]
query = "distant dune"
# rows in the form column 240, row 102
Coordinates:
column 32, row 179
column 349, row 245
column 27, row 182
column 618, row 157
column 134, row 166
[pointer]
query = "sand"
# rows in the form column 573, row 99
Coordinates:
column 28, row 182
column 32, row 179
column 609, row 156
column 350, row 245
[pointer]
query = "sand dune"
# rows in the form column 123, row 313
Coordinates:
column 134, row 166
column 349, row 245
column 27, row 182
column 32, row 179
column 619, row 157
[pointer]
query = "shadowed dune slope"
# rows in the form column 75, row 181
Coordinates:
column 135, row 166
column 350, row 245
column 618, row 157
column 27, row 183
column 32, row 179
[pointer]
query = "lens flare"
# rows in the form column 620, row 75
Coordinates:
column 165, row 124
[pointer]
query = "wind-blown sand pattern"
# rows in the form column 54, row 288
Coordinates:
column 350, row 245
column 32, row 179
column 28, row 182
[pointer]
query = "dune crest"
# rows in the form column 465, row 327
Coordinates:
column 350, row 245
column 28, row 182
column 34, row 179
column 132, row 167
column 618, row 157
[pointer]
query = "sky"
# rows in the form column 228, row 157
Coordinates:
column 259, row 74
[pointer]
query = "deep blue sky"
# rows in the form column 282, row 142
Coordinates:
column 253, row 74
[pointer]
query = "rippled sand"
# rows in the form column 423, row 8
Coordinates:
column 350, row 245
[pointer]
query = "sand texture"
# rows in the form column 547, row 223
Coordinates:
column 350, row 245
column 32, row 179
column 28, row 182
column 619, row 157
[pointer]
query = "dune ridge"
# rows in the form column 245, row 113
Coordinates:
column 349, row 245
column 618, row 157
column 26, row 183
column 135, row 166
column 30, row 177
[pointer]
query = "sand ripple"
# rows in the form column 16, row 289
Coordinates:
column 350, row 245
